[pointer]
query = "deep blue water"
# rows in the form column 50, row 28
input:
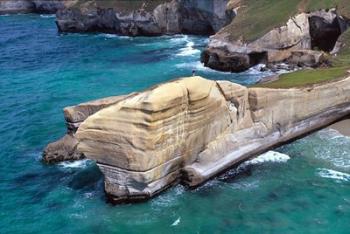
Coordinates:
column 41, row 72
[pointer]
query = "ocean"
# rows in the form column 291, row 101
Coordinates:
column 302, row 187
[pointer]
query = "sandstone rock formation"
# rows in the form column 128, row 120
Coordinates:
column 65, row 148
column 302, row 42
column 191, row 129
column 169, row 17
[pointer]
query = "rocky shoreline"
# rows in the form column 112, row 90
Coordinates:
column 149, row 141
column 169, row 17
column 307, row 39
column 304, row 41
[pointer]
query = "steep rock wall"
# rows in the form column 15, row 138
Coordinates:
column 34, row 6
column 189, row 130
column 302, row 41
column 169, row 17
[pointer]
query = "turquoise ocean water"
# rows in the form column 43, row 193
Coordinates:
column 306, row 190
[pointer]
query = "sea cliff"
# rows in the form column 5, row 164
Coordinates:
column 191, row 129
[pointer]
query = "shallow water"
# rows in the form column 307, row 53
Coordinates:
column 304, row 190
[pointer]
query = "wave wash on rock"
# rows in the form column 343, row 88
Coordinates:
column 191, row 129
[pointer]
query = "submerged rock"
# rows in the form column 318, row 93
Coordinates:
column 192, row 129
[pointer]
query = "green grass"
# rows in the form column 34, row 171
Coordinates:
column 257, row 17
column 306, row 77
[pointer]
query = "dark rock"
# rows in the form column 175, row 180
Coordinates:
column 178, row 16
column 223, row 60
column 64, row 149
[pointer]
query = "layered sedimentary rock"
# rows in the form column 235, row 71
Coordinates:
column 33, row 6
column 191, row 129
column 66, row 148
column 302, row 41
column 138, row 18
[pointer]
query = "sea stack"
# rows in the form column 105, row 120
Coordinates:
column 192, row 129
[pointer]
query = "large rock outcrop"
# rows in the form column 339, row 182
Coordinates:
column 168, row 17
column 65, row 149
column 302, row 41
column 191, row 129
column 34, row 6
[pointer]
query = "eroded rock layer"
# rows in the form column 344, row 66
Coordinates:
column 146, row 17
column 65, row 149
column 303, row 41
column 192, row 129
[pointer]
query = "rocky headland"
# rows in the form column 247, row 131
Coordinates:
column 305, row 35
column 34, row 6
column 146, row 18
column 189, row 130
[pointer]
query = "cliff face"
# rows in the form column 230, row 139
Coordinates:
column 137, row 18
column 33, row 6
column 66, row 148
column 304, row 40
column 192, row 129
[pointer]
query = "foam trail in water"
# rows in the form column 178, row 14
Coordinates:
column 75, row 164
column 189, row 50
column 48, row 16
column 108, row 35
column 270, row 156
column 176, row 222
column 332, row 174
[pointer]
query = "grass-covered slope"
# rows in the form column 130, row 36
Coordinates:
column 339, row 68
column 307, row 77
column 256, row 18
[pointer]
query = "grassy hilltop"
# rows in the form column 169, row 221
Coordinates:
column 257, row 17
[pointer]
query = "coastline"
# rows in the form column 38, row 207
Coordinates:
column 342, row 126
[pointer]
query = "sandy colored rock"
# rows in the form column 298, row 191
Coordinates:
column 191, row 129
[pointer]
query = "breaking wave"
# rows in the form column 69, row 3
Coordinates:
column 48, row 16
column 75, row 164
column 189, row 50
column 332, row 174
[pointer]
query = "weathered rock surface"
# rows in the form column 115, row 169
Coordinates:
column 191, row 129
column 170, row 17
column 66, row 148
column 302, row 42
column 33, row 6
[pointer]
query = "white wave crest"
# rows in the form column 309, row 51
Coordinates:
column 75, row 164
column 108, row 35
column 176, row 222
column 48, row 16
column 189, row 50
column 179, row 39
column 270, row 156
column 332, row 174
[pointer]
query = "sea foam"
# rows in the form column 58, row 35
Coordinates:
column 332, row 174
column 48, row 16
column 270, row 156
column 75, row 164
column 189, row 50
